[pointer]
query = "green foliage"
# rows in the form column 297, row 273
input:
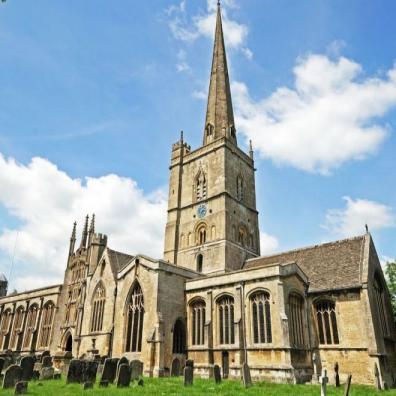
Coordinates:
column 174, row 386
column 391, row 281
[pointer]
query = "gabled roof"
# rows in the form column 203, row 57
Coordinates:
column 333, row 265
column 118, row 260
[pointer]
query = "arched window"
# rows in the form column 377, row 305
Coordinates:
column 209, row 129
column 98, row 305
column 261, row 317
column 198, row 322
column 327, row 322
column 225, row 308
column 201, row 234
column 199, row 262
column 135, row 316
column 47, row 318
column 201, row 186
column 17, row 327
column 296, row 320
column 379, row 299
column 240, row 188
column 4, row 326
column 30, row 326
column 179, row 337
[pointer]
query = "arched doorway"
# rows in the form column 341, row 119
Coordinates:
column 69, row 343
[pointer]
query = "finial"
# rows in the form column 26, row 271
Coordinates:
column 218, row 3
column 367, row 229
column 73, row 235
column 181, row 136
column 251, row 152
column 85, row 233
column 92, row 226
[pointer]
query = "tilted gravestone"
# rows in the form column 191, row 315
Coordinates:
column 89, row 371
column 246, row 377
column 46, row 361
column 188, row 375
column 109, row 370
column 123, row 360
column 323, row 383
column 75, row 372
column 337, row 376
column 348, row 385
column 124, row 376
column 217, row 374
column 21, row 388
column 175, row 368
column 47, row 373
column 12, row 375
column 136, row 369
column 27, row 366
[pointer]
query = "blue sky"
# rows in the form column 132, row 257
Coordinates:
column 93, row 94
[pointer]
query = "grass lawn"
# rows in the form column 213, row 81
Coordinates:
column 174, row 386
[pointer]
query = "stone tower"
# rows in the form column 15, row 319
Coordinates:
column 212, row 218
column 3, row 285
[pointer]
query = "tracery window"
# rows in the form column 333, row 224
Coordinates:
column 135, row 317
column 47, row 318
column 296, row 320
column 4, row 326
column 240, row 188
column 261, row 317
column 379, row 299
column 179, row 337
column 225, row 308
column 201, row 234
column 198, row 322
column 98, row 305
column 30, row 326
column 327, row 322
column 201, row 186
column 17, row 327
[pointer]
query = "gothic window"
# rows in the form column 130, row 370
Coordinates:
column 199, row 262
column 30, row 326
column 179, row 337
column 47, row 318
column 17, row 327
column 379, row 300
column 240, row 188
column 198, row 322
column 201, row 186
column 209, row 129
column 98, row 305
column 201, row 234
column 327, row 322
column 4, row 326
column 225, row 308
column 296, row 320
column 261, row 317
column 135, row 316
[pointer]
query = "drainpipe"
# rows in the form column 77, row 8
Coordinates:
column 242, row 292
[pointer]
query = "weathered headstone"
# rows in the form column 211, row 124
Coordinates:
column 315, row 363
column 136, row 369
column 336, row 376
column 348, row 385
column 109, row 370
column 188, row 375
column 175, row 368
column 88, row 385
column 247, row 379
column 323, row 383
column 377, row 377
column 103, row 383
column 21, row 388
column 75, row 372
column 89, row 371
column 12, row 375
column 217, row 374
column 46, row 361
column 123, row 360
column 190, row 363
column 124, row 376
column 2, row 362
column 47, row 373
column 27, row 365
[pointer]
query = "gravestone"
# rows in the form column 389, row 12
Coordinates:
column 377, row 377
column 46, row 361
column 246, row 377
column 348, row 385
column 188, row 375
column 175, row 368
column 123, row 360
column 75, row 372
column 47, row 373
column 109, row 370
column 124, row 376
column 12, row 375
column 36, row 375
column 27, row 365
column 89, row 371
column 2, row 363
column 190, row 363
column 323, row 383
column 21, row 388
column 336, row 377
column 217, row 374
column 88, row 385
column 136, row 369
column 103, row 383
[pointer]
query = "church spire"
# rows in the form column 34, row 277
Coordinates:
column 219, row 115
column 85, row 233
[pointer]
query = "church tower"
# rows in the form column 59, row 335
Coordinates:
column 212, row 218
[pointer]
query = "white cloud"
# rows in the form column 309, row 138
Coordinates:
column 351, row 219
column 268, row 243
column 332, row 115
column 46, row 201
column 182, row 65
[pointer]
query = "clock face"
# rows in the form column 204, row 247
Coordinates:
column 202, row 211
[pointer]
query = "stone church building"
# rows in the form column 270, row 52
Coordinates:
column 213, row 298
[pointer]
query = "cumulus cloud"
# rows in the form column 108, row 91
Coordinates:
column 330, row 116
column 351, row 219
column 46, row 201
column 268, row 243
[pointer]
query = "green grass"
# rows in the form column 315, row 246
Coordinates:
column 174, row 386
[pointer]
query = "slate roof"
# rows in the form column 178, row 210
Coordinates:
column 334, row 265
column 118, row 260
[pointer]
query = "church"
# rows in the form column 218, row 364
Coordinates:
column 212, row 297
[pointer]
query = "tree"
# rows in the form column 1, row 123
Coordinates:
column 390, row 271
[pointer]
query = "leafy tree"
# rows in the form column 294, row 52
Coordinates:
column 390, row 271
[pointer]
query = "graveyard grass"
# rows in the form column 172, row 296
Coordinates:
column 174, row 386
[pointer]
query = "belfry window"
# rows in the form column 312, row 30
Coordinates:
column 46, row 324
column 135, row 316
column 201, row 186
column 379, row 299
column 198, row 322
column 201, row 234
column 30, row 326
column 296, row 320
column 261, row 317
column 98, row 305
column 327, row 322
column 225, row 308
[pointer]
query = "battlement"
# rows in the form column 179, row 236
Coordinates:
column 99, row 239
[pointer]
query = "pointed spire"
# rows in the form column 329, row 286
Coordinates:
column 85, row 234
column 92, row 226
column 73, row 239
column 219, row 115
